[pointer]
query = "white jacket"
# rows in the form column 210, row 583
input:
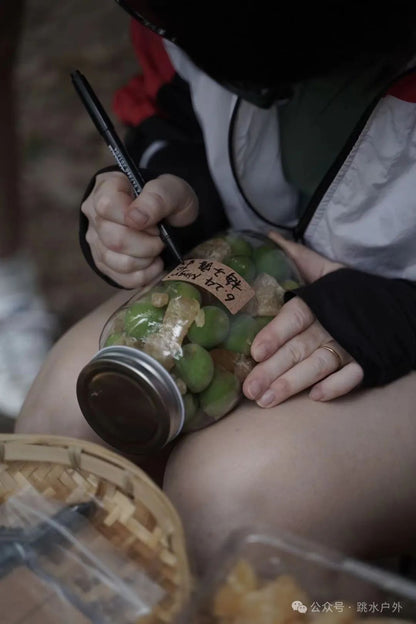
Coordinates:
column 366, row 217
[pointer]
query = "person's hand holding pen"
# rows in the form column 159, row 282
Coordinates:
column 122, row 229
column 126, row 216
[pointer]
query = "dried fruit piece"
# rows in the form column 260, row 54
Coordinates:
column 243, row 366
column 121, row 338
column 223, row 358
column 160, row 299
column 165, row 345
column 213, row 249
column 229, row 599
column 237, row 363
column 246, row 598
column 200, row 318
column 159, row 289
column 269, row 297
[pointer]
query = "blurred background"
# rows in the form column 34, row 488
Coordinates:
column 59, row 147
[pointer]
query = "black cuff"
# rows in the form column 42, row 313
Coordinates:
column 373, row 318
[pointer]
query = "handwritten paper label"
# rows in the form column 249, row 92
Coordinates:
column 219, row 279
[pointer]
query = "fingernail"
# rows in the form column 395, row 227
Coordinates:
column 267, row 399
column 315, row 394
column 260, row 352
column 140, row 218
column 253, row 389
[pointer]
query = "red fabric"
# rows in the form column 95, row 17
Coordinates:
column 137, row 99
column 405, row 88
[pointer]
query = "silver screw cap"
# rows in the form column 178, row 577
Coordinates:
column 130, row 400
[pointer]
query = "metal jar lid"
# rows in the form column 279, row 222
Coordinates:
column 130, row 400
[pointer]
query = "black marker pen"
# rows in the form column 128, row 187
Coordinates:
column 116, row 147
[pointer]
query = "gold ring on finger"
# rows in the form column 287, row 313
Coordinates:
column 335, row 352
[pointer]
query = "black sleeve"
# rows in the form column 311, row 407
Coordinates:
column 171, row 144
column 371, row 317
column 83, row 227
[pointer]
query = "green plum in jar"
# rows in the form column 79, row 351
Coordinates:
column 211, row 328
column 174, row 357
column 195, row 367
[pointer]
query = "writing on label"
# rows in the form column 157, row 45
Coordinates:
column 219, row 279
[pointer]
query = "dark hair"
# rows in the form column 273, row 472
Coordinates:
column 267, row 43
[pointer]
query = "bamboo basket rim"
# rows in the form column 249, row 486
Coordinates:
column 115, row 469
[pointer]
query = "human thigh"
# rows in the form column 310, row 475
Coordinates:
column 339, row 472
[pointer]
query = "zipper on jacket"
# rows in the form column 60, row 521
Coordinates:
column 305, row 219
column 298, row 230
column 325, row 183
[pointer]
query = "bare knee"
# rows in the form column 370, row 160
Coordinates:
column 219, row 486
column 51, row 405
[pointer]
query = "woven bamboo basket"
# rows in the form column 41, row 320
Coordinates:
column 134, row 514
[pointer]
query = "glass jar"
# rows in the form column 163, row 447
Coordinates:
column 174, row 357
